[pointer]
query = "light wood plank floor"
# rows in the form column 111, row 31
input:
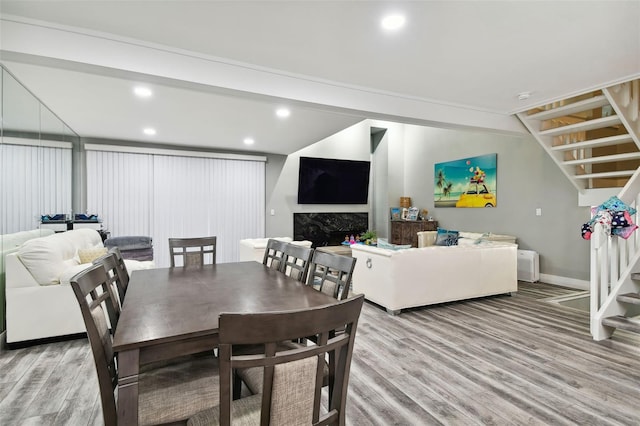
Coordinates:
column 500, row 360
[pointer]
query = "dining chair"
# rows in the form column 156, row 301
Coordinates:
column 274, row 253
column 296, row 260
column 123, row 273
column 331, row 273
column 110, row 265
column 291, row 379
column 169, row 394
column 193, row 251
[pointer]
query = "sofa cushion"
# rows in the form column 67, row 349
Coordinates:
column 10, row 242
column 131, row 265
column 82, row 238
column 136, row 265
column 47, row 258
column 427, row 238
column 65, row 277
column 447, row 237
column 88, row 255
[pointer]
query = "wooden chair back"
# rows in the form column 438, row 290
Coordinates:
column 110, row 265
column 192, row 251
column 93, row 291
column 274, row 253
column 293, row 378
column 296, row 261
column 332, row 273
column 123, row 273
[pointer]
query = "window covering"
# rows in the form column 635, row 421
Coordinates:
column 165, row 196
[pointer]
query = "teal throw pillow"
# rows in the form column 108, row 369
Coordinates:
column 447, row 237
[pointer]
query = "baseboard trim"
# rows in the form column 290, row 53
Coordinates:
column 565, row 281
column 3, row 340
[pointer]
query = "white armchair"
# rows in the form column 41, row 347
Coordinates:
column 253, row 248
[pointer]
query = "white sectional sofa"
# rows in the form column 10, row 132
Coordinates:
column 398, row 279
column 9, row 243
column 40, row 301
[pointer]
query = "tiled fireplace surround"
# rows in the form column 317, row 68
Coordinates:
column 328, row 229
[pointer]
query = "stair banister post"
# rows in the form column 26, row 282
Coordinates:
column 599, row 275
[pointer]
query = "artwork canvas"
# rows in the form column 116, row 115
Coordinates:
column 467, row 182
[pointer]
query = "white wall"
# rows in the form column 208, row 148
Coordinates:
column 349, row 144
column 527, row 179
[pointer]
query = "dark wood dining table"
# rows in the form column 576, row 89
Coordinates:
column 169, row 312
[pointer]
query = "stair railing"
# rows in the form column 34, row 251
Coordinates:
column 613, row 260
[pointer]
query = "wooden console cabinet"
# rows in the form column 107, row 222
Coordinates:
column 405, row 231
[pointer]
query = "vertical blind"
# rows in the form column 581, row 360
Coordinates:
column 165, row 196
column 34, row 180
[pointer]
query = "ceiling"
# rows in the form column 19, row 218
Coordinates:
column 219, row 69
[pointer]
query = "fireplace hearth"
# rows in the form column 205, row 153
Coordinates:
column 328, row 229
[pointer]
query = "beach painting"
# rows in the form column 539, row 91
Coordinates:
column 468, row 182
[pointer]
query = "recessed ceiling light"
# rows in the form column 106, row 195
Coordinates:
column 248, row 141
column 149, row 131
column 283, row 112
column 524, row 96
column 393, row 22
column 142, row 92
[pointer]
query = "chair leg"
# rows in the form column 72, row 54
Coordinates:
column 332, row 373
column 237, row 385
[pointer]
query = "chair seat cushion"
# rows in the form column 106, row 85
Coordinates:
column 177, row 391
column 244, row 412
column 253, row 377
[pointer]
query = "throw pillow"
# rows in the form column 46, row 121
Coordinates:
column 447, row 238
column 89, row 255
column 616, row 204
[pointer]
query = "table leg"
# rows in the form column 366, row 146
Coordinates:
column 128, row 369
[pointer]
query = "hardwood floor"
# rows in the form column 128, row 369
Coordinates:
column 499, row 360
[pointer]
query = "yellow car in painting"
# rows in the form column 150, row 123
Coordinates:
column 476, row 195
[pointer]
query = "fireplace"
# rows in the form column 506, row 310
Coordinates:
column 328, row 229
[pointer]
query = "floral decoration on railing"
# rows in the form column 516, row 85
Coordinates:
column 615, row 217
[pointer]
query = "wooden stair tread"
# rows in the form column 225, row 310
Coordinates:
column 598, row 123
column 585, row 105
column 604, row 159
column 622, row 323
column 633, row 298
column 607, row 141
column 619, row 173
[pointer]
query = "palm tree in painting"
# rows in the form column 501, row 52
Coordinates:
column 441, row 183
column 446, row 191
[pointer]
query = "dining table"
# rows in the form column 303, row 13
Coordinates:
column 170, row 312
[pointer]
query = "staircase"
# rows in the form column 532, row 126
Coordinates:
column 595, row 140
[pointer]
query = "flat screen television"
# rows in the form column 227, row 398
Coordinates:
column 330, row 181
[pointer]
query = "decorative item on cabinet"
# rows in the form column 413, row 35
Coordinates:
column 396, row 213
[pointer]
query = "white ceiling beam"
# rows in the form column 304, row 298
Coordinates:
column 46, row 40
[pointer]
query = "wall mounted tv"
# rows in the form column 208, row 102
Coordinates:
column 330, row 181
